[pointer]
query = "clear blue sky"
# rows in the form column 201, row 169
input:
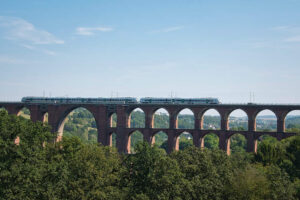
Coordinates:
column 139, row 48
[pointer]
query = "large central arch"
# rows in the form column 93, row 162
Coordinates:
column 78, row 120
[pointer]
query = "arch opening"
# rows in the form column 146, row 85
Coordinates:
column 161, row 119
column 136, row 119
column 113, row 140
column 25, row 113
column 134, row 138
column 80, row 123
column 237, row 143
column 113, row 120
column 184, row 140
column 238, row 120
column 160, row 139
column 292, row 121
column 211, row 120
column 211, row 141
column 266, row 121
column 185, row 119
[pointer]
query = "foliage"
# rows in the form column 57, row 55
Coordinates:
column 150, row 174
column 37, row 168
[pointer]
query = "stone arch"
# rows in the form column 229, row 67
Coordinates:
column 24, row 112
column 136, row 118
column 160, row 139
column 238, row 120
column 211, row 119
column 113, row 120
column 292, row 121
column 134, row 137
column 113, row 139
column 210, row 141
column 185, row 119
column 184, row 140
column 91, row 135
column 237, row 142
column 266, row 120
column 161, row 115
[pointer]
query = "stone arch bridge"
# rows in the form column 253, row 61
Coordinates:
column 57, row 114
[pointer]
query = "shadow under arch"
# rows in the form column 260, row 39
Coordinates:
column 184, row 140
column 210, row 141
column 113, row 120
column 160, row 118
column 266, row 120
column 292, row 121
column 45, row 117
column 80, row 122
column 134, row 138
column 24, row 112
column 211, row 119
column 237, row 143
column 113, row 139
column 136, row 118
column 185, row 119
column 238, row 120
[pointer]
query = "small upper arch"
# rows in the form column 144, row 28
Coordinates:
column 266, row 120
column 291, row 121
column 136, row 118
column 160, row 118
column 211, row 119
column 185, row 119
column 238, row 120
column 113, row 120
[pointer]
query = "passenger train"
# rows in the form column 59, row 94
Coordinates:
column 62, row 100
column 120, row 100
column 196, row 101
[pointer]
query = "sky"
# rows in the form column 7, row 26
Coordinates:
column 139, row 48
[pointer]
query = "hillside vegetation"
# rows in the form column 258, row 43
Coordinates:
column 37, row 168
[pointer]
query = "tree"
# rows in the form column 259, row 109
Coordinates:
column 205, row 173
column 150, row 174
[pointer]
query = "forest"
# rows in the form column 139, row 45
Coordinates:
column 77, row 168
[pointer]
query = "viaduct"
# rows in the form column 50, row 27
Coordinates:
column 57, row 114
